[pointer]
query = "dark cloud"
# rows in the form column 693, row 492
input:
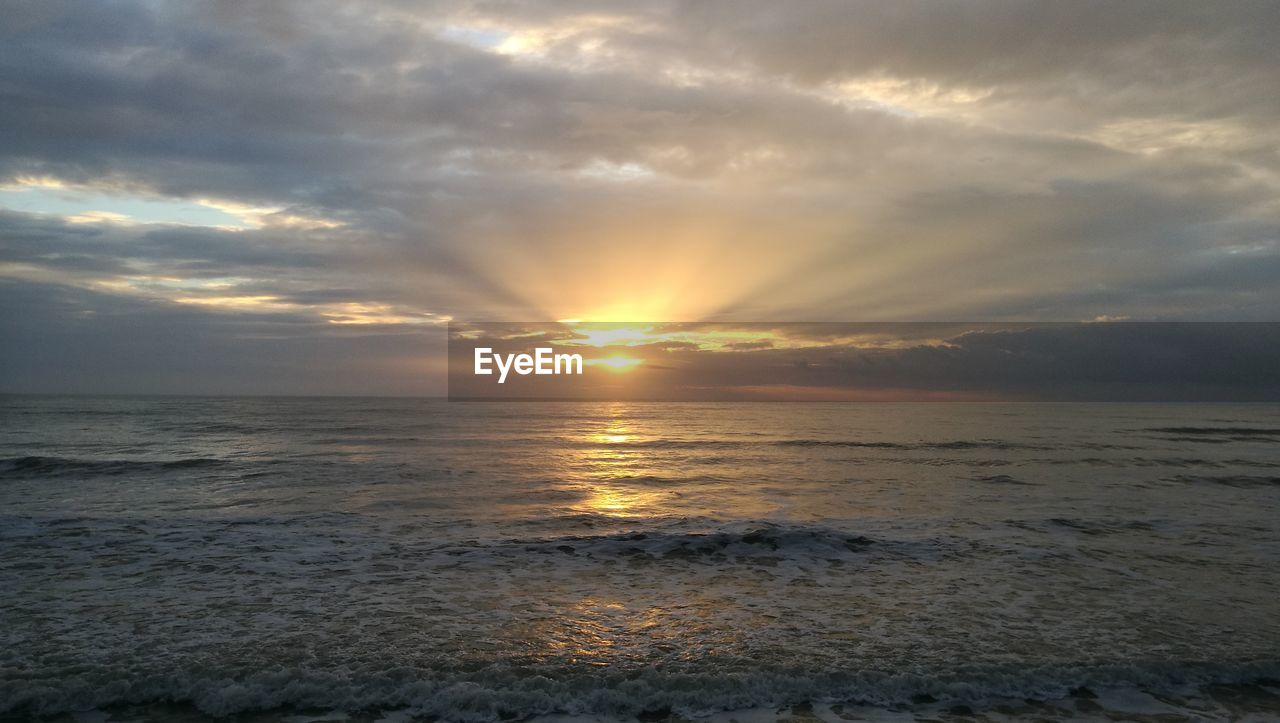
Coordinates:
column 62, row 339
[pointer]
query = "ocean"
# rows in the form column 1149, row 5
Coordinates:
column 399, row 559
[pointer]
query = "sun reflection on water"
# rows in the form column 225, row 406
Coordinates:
column 611, row 463
column 612, row 437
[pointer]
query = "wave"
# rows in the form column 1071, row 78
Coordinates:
column 959, row 444
column 1003, row 479
column 1229, row 431
column 954, row 444
column 652, row 443
column 685, row 541
column 503, row 692
column 737, row 540
column 1181, row 462
column 1230, row 480
column 227, row 428
column 1092, row 526
column 36, row 466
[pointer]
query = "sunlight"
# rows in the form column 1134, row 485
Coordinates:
column 595, row 335
column 617, row 431
column 652, row 308
column 608, row 467
column 617, row 364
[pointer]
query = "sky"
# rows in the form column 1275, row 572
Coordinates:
column 297, row 197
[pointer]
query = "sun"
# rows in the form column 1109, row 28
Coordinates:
column 616, row 363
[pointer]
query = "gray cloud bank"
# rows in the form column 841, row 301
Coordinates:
column 1121, row 361
column 393, row 165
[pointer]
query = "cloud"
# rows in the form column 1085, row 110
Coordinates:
column 1111, row 361
column 70, row 340
column 664, row 160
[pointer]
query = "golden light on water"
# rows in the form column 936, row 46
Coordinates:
column 609, row 461
column 613, row 502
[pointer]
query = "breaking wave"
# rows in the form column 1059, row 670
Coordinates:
column 739, row 540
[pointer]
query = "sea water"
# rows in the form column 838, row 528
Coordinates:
column 385, row 559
